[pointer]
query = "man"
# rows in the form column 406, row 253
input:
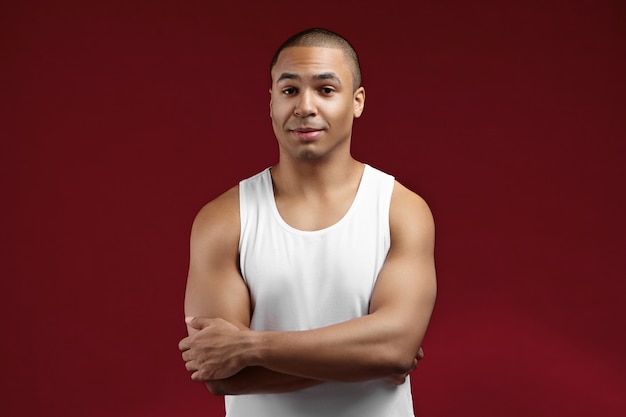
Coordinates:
column 311, row 284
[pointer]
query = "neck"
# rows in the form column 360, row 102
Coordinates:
column 314, row 176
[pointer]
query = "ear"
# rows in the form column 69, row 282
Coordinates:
column 359, row 102
column 270, row 90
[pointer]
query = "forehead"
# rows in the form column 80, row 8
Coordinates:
column 307, row 61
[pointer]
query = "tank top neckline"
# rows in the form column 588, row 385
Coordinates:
column 279, row 219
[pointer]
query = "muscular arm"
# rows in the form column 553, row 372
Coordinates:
column 385, row 342
column 215, row 289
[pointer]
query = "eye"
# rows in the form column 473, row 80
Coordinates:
column 327, row 90
column 289, row 91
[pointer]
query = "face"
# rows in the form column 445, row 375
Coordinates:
column 312, row 104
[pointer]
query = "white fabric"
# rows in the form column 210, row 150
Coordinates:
column 301, row 280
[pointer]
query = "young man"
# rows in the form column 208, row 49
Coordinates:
column 311, row 284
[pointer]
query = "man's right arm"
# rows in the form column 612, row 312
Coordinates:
column 215, row 288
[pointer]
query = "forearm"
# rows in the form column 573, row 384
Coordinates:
column 368, row 347
column 257, row 380
column 378, row 345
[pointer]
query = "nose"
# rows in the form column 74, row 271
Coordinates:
column 305, row 106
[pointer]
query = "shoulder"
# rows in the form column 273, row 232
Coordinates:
column 410, row 215
column 403, row 198
column 218, row 219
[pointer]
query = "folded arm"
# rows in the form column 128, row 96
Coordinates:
column 215, row 289
column 381, row 344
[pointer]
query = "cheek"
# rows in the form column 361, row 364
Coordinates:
column 345, row 112
column 279, row 111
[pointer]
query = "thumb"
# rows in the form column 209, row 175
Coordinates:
column 197, row 323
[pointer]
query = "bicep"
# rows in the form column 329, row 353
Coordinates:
column 217, row 292
column 406, row 287
column 215, row 287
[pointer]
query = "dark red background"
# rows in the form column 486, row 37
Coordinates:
column 121, row 119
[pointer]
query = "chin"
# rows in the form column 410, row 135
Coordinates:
column 308, row 156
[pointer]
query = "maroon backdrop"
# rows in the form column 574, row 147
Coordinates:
column 119, row 120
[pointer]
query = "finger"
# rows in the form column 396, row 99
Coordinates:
column 199, row 376
column 191, row 366
column 184, row 344
column 420, row 354
column 191, row 322
column 398, row 379
column 197, row 323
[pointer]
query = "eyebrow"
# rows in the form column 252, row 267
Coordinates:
column 323, row 76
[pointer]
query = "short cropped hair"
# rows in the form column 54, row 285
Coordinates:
column 318, row 37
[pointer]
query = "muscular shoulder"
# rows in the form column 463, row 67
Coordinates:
column 219, row 219
column 409, row 216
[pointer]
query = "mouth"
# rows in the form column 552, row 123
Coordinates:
column 305, row 129
column 306, row 133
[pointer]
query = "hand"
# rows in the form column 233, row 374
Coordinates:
column 214, row 352
column 400, row 378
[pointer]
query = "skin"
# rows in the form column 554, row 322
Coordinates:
column 312, row 107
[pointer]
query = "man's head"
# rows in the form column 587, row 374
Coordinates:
column 315, row 95
column 317, row 37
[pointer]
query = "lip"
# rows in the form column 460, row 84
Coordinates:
column 306, row 133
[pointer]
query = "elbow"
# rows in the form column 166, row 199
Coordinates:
column 228, row 386
column 220, row 388
column 396, row 361
column 403, row 364
column 215, row 388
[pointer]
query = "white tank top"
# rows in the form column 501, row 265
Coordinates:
column 300, row 280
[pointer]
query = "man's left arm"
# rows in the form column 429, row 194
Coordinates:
column 381, row 344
